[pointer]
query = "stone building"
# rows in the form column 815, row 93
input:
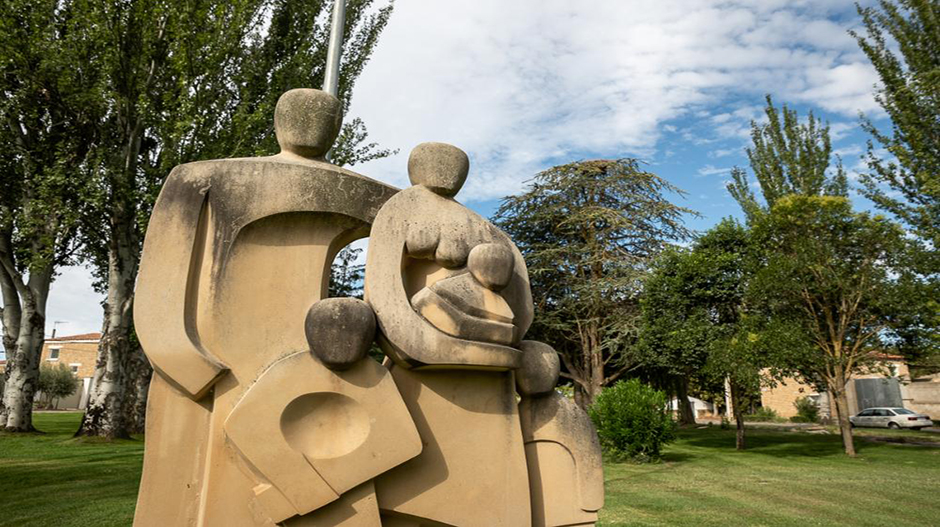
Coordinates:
column 79, row 353
column 890, row 384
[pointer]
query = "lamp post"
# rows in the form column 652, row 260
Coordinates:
column 335, row 49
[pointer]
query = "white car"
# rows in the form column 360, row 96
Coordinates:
column 891, row 418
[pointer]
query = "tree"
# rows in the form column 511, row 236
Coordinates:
column 674, row 334
column 346, row 275
column 45, row 124
column 588, row 232
column 698, row 323
column 56, row 382
column 902, row 41
column 787, row 157
column 189, row 81
column 839, row 275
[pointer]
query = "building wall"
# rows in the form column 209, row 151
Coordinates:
column 920, row 395
column 781, row 398
column 923, row 395
column 79, row 353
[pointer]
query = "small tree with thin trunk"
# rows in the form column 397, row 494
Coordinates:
column 840, row 276
column 588, row 232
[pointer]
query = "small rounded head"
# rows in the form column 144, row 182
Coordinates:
column 491, row 264
column 539, row 371
column 307, row 121
column 340, row 331
column 440, row 167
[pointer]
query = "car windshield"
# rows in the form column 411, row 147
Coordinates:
column 902, row 411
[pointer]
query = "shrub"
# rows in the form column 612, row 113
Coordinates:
column 56, row 382
column 807, row 411
column 764, row 415
column 633, row 421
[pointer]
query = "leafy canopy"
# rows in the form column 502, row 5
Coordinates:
column 902, row 41
column 787, row 157
column 588, row 232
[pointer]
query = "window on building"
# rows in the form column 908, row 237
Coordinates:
column 54, row 353
column 74, row 368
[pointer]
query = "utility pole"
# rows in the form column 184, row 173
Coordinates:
column 335, row 50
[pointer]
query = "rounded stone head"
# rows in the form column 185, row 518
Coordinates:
column 340, row 331
column 540, row 369
column 307, row 121
column 440, row 167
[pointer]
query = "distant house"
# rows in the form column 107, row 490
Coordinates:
column 888, row 385
column 700, row 409
column 79, row 353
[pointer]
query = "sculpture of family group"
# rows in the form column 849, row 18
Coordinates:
column 266, row 408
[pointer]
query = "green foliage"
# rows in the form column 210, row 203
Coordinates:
column 588, row 232
column 902, row 41
column 633, row 421
column 185, row 81
column 345, row 275
column 787, row 157
column 56, row 382
column 807, row 411
column 834, row 272
column 764, row 415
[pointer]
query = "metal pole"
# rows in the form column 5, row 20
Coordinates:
column 335, row 51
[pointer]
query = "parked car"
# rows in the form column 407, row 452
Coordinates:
column 891, row 418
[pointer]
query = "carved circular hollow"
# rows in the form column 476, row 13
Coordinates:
column 540, row 368
column 441, row 167
column 307, row 121
column 324, row 425
column 491, row 264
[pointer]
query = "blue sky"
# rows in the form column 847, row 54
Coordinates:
column 525, row 85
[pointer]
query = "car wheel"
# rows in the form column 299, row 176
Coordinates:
column 893, row 426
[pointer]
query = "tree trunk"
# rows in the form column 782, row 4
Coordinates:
column 837, row 390
column 105, row 413
column 137, row 384
column 22, row 367
column 686, row 415
column 738, row 414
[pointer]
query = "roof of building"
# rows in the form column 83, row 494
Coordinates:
column 82, row 336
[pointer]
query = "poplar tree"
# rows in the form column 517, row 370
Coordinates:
column 902, row 41
column 189, row 81
column 46, row 117
column 787, row 157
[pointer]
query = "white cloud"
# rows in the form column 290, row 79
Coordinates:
column 523, row 85
column 526, row 84
column 73, row 303
column 709, row 170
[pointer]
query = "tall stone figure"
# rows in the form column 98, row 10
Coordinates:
column 236, row 253
column 266, row 409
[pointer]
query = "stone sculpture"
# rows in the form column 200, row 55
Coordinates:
column 266, row 408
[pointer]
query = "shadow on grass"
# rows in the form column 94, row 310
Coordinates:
column 774, row 443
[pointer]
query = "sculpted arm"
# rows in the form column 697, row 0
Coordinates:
column 163, row 315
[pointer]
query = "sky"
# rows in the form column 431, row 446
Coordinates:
column 526, row 85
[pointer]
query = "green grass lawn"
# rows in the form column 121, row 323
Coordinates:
column 786, row 478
